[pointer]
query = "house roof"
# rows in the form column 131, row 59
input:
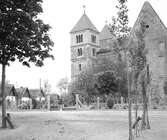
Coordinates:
column 106, row 33
column 54, row 95
column 9, row 91
column 26, row 93
column 84, row 23
column 37, row 93
column 104, row 51
column 23, row 92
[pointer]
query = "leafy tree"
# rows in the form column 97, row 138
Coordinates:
column 113, row 26
column 122, row 19
column 23, row 36
column 119, row 24
column 107, row 83
column 118, row 68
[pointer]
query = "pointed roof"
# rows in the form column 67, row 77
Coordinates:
column 106, row 33
column 26, row 93
column 23, row 92
column 37, row 93
column 84, row 23
column 147, row 14
column 9, row 90
column 148, row 9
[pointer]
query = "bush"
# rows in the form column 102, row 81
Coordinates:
column 165, row 87
column 110, row 103
column 125, row 106
column 155, row 107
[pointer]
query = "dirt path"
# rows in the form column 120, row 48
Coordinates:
column 80, row 125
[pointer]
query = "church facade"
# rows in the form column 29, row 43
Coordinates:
column 156, row 48
column 88, row 46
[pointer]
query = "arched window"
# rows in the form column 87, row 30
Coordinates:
column 93, row 38
column 79, row 51
column 80, row 67
column 79, row 38
column 94, row 52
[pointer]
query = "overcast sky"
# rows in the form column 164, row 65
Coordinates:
column 62, row 15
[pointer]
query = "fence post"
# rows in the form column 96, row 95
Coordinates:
column 98, row 103
column 30, row 103
column 76, row 100
column 122, row 100
column 48, row 100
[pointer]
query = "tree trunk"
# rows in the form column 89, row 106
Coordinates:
column 136, row 108
column 129, row 98
column 3, row 97
column 145, row 120
column 130, row 119
column 129, row 108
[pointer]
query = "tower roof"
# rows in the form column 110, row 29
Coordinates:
column 84, row 23
column 106, row 33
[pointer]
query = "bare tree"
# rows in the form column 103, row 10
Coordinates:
column 47, row 86
column 62, row 85
column 140, row 72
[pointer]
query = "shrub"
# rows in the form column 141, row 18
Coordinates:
column 125, row 106
column 164, row 107
column 110, row 103
column 155, row 107
column 165, row 87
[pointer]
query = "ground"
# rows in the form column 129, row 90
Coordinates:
column 80, row 125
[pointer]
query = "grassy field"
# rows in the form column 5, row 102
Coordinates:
column 80, row 125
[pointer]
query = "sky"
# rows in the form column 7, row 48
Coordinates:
column 62, row 15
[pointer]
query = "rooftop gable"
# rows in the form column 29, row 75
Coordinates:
column 150, row 17
column 9, row 91
column 23, row 92
column 37, row 93
column 106, row 33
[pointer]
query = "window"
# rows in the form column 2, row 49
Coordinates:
column 79, row 51
column 79, row 38
column 94, row 52
column 80, row 67
column 93, row 38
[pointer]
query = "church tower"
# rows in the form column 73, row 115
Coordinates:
column 84, row 44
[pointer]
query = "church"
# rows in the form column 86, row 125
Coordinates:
column 88, row 46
